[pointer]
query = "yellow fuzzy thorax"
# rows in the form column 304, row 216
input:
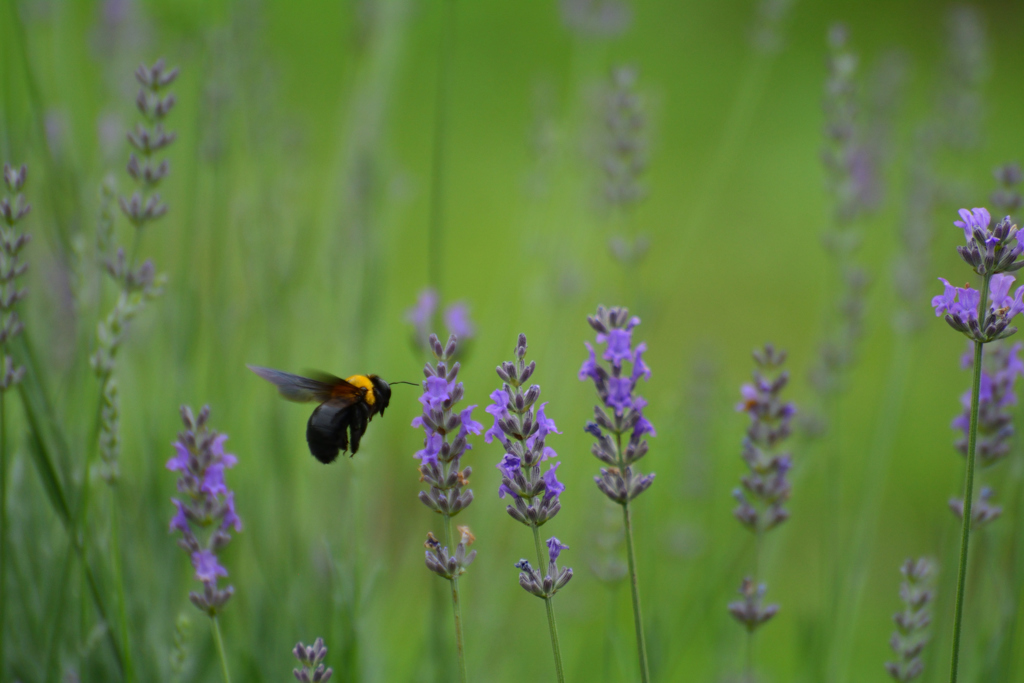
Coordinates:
column 363, row 382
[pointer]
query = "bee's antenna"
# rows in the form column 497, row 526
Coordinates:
column 412, row 384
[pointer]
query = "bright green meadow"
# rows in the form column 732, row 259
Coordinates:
column 314, row 192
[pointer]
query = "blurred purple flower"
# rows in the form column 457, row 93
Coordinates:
column 765, row 488
column 423, row 318
column 206, row 513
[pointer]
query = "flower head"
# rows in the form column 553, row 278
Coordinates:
column 990, row 249
column 621, row 412
column 765, row 488
column 446, row 429
column 522, row 426
column 960, row 305
column 205, row 513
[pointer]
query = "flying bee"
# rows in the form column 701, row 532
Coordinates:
column 345, row 410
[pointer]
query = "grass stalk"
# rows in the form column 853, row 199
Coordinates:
column 456, row 604
column 215, row 623
column 634, row 586
column 116, row 559
column 3, row 530
column 638, row 621
column 965, row 536
column 552, row 625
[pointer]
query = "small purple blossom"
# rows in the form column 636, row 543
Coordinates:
column 423, row 318
column 522, row 426
column 445, row 440
column 555, row 548
column 990, row 249
column 621, row 411
column 456, row 319
column 205, row 514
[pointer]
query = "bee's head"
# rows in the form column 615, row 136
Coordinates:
column 381, row 393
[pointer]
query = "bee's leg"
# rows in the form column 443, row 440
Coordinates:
column 360, row 419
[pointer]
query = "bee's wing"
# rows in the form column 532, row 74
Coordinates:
column 305, row 389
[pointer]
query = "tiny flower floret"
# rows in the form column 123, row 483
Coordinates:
column 555, row 548
column 960, row 306
column 989, row 249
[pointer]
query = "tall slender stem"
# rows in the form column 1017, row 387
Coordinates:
column 552, row 626
column 758, row 537
column 122, row 600
column 3, row 529
column 638, row 621
column 456, row 605
column 968, row 489
column 220, row 649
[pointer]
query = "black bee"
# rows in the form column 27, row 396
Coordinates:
column 345, row 410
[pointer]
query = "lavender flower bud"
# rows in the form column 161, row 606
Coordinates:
column 910, row 637
column 750, row 610
column 311, row 661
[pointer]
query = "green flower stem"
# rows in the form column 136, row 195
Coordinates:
column 638, row 620
column 968, row 490
column 552, row 626
column 220, row 649
column 122, row 600
column 3, row 525
column 456, row 605
column 758, row 537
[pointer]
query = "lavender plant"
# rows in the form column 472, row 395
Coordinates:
column 620, row 414
column 522, row 427
column 205, row 513
column 765, row 488
column 441, row 469
column 311, row 658
column 12, row 241
column 911, row 635
column 137, row 285
column 623, row 162
column 983, row 317
column 1000, row 370
column 851, row 181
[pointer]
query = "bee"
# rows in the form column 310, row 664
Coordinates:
column 345, row 410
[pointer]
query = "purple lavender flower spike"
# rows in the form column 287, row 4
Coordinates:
column 960, row 306
column 1001, row 367
column 522, row 426
column 911, row 635
column 205, row 513
column 621, row 414
column 620, row 429
column 446, row 429
column 765, row 488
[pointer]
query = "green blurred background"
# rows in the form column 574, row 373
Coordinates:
column 300, row 203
